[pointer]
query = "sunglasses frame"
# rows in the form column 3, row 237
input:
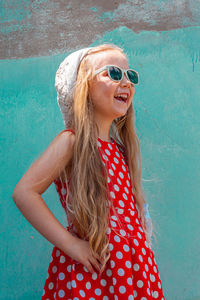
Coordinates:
column 122, row 70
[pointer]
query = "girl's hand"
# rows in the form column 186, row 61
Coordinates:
column 80, row 251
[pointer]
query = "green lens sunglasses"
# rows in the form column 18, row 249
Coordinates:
column 116, row 73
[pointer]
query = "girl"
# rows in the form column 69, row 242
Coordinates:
column 95, row 163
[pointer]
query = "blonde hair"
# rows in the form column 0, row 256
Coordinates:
column 88, row 188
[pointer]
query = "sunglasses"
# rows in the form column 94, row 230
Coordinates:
column 116, row 73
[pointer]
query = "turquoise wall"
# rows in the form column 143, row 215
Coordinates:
column 167, row 106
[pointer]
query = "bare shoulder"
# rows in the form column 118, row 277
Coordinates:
column 49, row 165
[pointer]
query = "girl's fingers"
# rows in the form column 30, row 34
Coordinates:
column 95, row 263
column 89, row 267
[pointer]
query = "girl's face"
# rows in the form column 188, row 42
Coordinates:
column 103, row 89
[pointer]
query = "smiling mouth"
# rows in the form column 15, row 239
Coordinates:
column 120, row 99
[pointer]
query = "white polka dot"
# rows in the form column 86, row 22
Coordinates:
column 111, row 289
column 85, row 269
column 140, row 283
column 139, row 235
column 112, row 264
column 124, row 196
column 144, row 274
column 159, row 285
column 112, row 195
column 51, row 285
column 136, row 267
column 116, row 160
column 103, row 282
column 117, row 154
column 88, row 285
column 108, row 179
column 120, row 211
column 132, row 251
column 152, row 277
column 136, row 242
column 94, row 276
column 135, row 293
column 114, row 281
column 73, row 283
column 61, row 276
column 109, row 146
column 155, row 294
column 146, row 267
column 79, row 276
column 120, row 272
column 54, row 269
column 110, row 171
column 98, row 144
column 57, row 253
column 141, row 258
column 63, row 191
column 114, row 218
column 122, row 232
column 127, row 219
column 150, row 261
column 130, row 227
column 119, row 255
column 124, row 169
column 105, row 157
column 132, row 212
column 155, row 270
column 140, row 228
column 143, row 298
column 128, row 264
column 61, row 293
column 126, row 248
column 108, row 231
column 123, row 161
column 130, row 281
column 107, row 152
column 136, row 220
column 121, row 175
column 110, row 246
column 116, row 187
column 146, row 244
column 119, row 181
column 97, row 292
column 109, row 272
column 122, row 289
column 148, row 292
column 113, row 223
column 128, row 182
column 82, row 293
column 121, row 203
column 62, row 259
column 130, row 297
column 104, row 298
column 143, row 251
column 69, row 285
column 113, row 166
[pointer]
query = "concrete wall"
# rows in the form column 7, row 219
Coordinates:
column 162, row 40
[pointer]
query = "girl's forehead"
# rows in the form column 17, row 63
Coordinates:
column 109, row 57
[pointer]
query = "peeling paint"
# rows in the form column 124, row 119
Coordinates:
column 43, row 27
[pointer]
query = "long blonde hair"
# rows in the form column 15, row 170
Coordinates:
column 88, row 175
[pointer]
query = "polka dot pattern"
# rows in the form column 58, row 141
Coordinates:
column 131, row 271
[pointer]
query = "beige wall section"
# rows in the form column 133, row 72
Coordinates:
column 37, row 28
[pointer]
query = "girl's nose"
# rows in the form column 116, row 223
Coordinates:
column 125, row 80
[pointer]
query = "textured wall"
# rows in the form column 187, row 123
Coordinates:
column 165, row 49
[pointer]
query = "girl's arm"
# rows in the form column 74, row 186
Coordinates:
column 27, row 193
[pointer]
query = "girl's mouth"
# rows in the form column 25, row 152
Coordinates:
column 120, row 99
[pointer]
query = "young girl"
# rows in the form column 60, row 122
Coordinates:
column 95, row 163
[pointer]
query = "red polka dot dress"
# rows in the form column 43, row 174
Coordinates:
column 131, row 272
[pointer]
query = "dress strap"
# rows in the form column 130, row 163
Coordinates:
column 67, row 130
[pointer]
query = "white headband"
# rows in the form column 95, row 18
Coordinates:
column 65, row 81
